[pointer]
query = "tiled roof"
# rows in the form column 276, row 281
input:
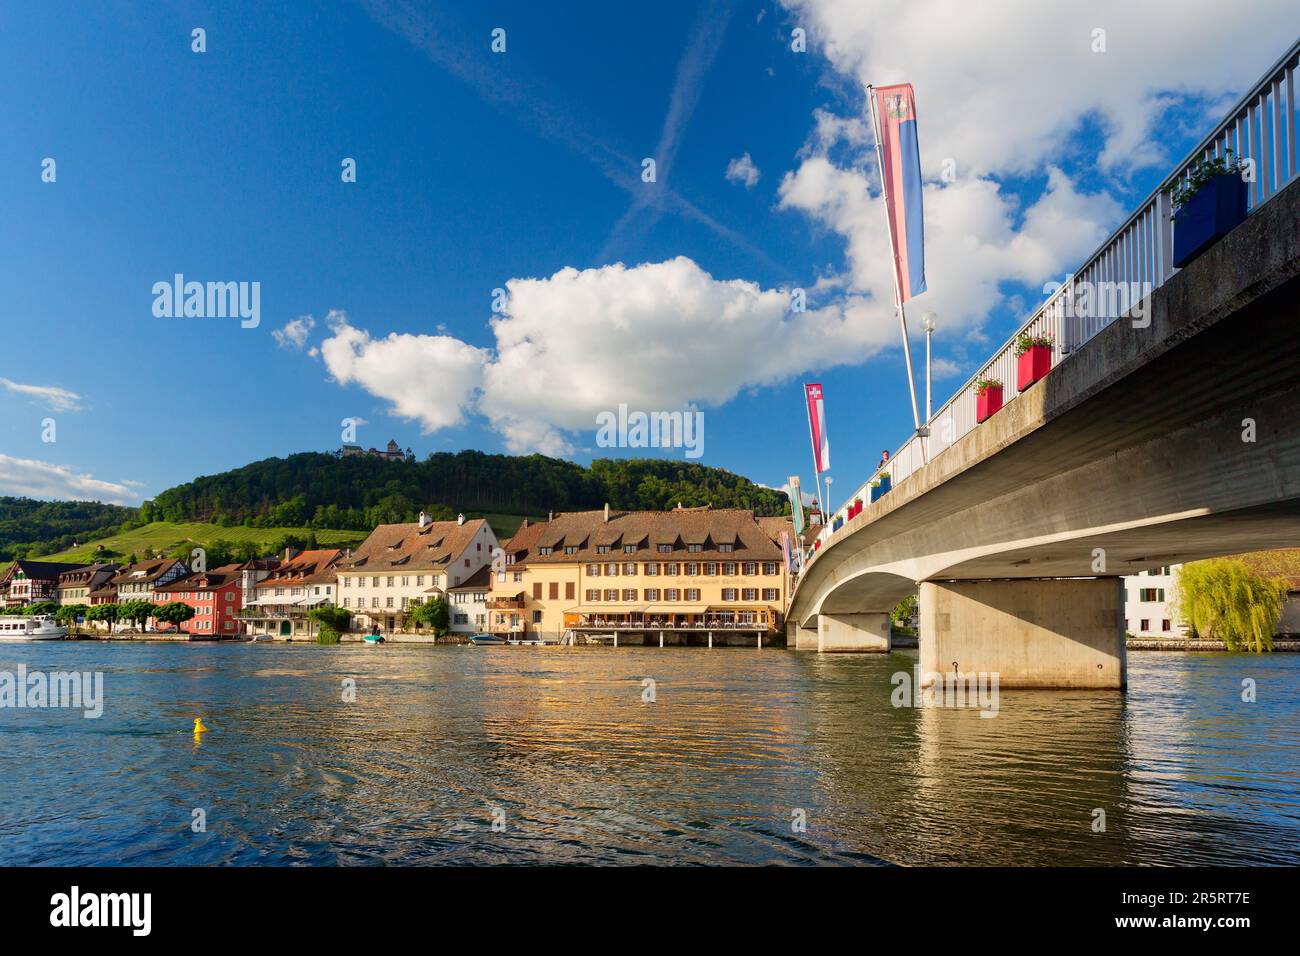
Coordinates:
column 143, row 572
column 41, row 570
column 199, row 581
column 679, row 527
column 85, row 574
column 773, row 527
column 309, row 567
column 480, row 580
column 524, row 544
column 408, row 547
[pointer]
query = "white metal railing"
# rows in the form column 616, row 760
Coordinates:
column 1136, row 259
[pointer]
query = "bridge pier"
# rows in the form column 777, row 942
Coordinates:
column 842, row 633
column 800, row 638
column 1054, row 633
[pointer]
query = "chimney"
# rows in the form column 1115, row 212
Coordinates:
column 424, row 519
column 550, row 516
column 606, row 510
column 460, row 519
column 679, row 506
column 289, row 553
column 524, row 523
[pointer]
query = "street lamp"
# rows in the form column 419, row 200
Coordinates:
column 830, row 505
column 928, row 322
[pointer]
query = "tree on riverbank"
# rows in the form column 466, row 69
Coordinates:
column 108, row 613
column 1223, row 599
column 67, row 614
column 432, row 614
column 173, row 612
column 136, row 612
column 332, row 621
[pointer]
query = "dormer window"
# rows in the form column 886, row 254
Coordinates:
column 695, row 548
column 726, row 547
column 629, row 549
column 665, row 549
column 544, row 552
column 571, row 549
column 602, row 549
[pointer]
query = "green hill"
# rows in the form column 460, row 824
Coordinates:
column 316, row 490
column 166, row 537
column 340, row 499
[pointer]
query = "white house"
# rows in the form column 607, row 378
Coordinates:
column 400, row 565
column 1149, row 603
column 468, row 602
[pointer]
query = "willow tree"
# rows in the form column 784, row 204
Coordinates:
column 1222, row 598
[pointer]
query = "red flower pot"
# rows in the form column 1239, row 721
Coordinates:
column 1032, row 365
column 987, row 403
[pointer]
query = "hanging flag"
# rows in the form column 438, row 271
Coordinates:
column 900, row 160
column 785, row 548
column 796, row 504
column 817, row 427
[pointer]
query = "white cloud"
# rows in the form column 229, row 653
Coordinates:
column 294, row 333
column 1000, row 87
column 585, row 341
column 971, row 237
column 41, row 479
column 428, row 378
column 58, row 399
column 742, row 171
column 942, row 368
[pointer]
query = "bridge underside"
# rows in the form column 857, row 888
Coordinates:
column 1151, row 446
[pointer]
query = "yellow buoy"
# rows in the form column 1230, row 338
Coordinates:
column 198, row 726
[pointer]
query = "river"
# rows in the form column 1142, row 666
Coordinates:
column 473, row 755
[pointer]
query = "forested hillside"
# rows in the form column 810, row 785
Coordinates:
column 326, row 491
column 320, row 491
column 28, row 526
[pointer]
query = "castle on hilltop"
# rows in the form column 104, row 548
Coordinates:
column 392, row 452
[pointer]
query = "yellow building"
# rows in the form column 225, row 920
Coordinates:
column 690, row 575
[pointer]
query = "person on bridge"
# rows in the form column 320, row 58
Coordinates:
column 884, row 459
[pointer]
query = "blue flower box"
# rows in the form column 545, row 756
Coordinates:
column 1217, row 209
column 880, row 490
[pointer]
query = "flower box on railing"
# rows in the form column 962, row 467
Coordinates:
column 855, row 509
column 880, row 488
column 1032, row 364
column 988, row 399
column 1207, row 214
column 839, row 523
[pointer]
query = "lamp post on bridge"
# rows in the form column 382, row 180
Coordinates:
column 928, row 323
column 830, row 505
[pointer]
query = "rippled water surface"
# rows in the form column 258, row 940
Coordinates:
column 714, row 771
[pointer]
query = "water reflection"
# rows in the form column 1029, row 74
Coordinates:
column 559, row 744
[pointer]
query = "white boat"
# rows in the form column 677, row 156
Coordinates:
column 39, row 628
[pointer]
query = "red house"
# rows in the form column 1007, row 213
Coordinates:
column 216, row 597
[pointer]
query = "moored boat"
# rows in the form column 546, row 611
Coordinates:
column 486, row 639
column 36, row 628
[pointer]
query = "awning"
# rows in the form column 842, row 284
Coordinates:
column 606, row 609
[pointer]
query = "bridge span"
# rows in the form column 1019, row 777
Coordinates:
column 1150, row 443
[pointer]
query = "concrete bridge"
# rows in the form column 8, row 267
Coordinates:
column 1168, row 439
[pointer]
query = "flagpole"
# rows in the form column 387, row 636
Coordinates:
column 812, row 442
column 893, row 265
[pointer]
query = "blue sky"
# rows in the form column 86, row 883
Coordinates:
column 479, row 171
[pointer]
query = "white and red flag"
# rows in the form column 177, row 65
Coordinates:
column 817, row 428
